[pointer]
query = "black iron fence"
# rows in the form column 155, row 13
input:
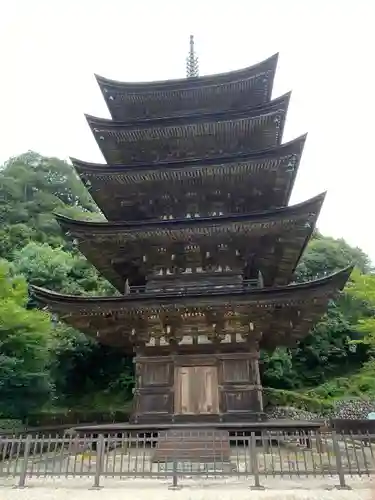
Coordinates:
column 189, row 453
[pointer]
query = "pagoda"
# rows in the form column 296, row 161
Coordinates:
column 199, row 240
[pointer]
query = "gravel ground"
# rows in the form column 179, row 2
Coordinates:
column 140, row 489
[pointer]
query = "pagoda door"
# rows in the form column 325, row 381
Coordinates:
column 196, row 390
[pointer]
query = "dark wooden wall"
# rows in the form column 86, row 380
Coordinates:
column 241, row 390
column 238, row 385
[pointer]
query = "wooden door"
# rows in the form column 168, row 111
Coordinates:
column 196, row 390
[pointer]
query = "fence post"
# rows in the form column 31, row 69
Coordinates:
column 254, row 463
column 339, row 465
column 3, row 453
column 174, row 485
column 100, row 449
column 26, row 453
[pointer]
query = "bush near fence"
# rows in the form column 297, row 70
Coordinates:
column 73, row 417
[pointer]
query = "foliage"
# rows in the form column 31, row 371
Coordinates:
column 56, row 269
column 32, row 188
column 325, row 255
column 325, row 353
column 277, row 369
column 82, row 367
column 358, row 384
column 282, row 397
column 332, row 360
column 11, row 426
column 329, row 350
column 362, row 290
column 24, row 349
column 77, row 415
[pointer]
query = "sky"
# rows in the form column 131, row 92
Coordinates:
column 50, row 50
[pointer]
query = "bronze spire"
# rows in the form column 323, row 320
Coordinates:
column 192, row 66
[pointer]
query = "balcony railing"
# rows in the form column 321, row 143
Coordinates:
column 194, row 288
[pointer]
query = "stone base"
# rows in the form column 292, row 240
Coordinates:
column 250, row 417
column 200, row 445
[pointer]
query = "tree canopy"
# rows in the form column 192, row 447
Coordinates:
column 25, row 382
column 361, row 291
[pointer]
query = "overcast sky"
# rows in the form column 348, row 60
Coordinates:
column 50, row 50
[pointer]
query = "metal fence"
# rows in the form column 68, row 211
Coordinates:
column 251, row 455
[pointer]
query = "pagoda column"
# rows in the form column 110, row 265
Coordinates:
column 254, row 337
column 255, row 372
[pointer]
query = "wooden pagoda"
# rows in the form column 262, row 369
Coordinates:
column 199, row 241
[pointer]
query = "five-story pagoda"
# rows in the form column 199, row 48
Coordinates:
column 199, row 241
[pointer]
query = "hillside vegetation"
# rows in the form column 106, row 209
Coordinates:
column 46, row 365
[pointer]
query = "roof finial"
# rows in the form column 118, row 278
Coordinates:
column 192, row 66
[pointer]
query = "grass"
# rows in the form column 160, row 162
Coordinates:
column 322, row 399
column 281, row 397
column 360, row 384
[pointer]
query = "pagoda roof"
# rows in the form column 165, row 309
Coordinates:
column 221, row 91
column 284, row 314
column 286, row 229
column 197, row 135
column 134, row 230
column 147, row 191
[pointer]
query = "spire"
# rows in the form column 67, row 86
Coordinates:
column 192, row 66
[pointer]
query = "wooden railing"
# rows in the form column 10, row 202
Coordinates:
column 194, row 288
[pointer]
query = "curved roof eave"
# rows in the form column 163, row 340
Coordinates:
column 294, row 146
column 181, row 83
column 248, row 112
column 314, row 203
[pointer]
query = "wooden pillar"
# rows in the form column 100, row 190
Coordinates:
column 258, row 388
column 253, row 339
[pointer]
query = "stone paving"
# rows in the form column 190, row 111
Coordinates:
column 138, row 489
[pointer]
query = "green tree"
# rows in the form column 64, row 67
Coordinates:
column 32, row 188
column 325, row 255
column 82, row 367
column 361, row 290
column 328, row 350
column 24, row 350
column 360, row 308
column 56, row 269
column 278, row 370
